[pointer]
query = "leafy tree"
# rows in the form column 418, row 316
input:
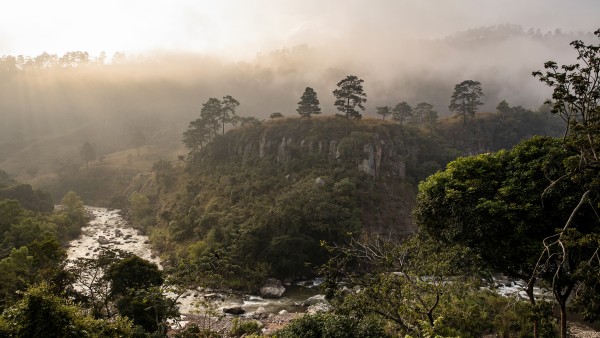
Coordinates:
column 576, row 99
column 49, row 263
column 402, row 112
column 10, row 213
column 140, row 207
column 465, row 99
column 89, row 277
column 333, row 325
column 406, row 286
column 43, row 314
column 503, row 108
column 515, row 201
column 424, row 114
column 384, row 111
column 28, row 197
column 309, row 103
column 349, row 95
column 211, row 113
column 276, row 115
column 74, row 208
column 198, row 132
column 135, row 286
column 15, row 273
column 228, row 107
column 88, row 153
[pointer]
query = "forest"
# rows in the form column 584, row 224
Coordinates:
column 407, row 211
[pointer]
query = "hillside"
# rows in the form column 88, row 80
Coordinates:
column 266, row 195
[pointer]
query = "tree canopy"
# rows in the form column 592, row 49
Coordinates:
column 309, row 103
column 349, row 95
column 465, row 99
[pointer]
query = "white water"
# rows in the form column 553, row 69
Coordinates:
column 109, row 224
column 108, row 227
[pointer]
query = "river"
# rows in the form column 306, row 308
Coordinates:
column 108, row 229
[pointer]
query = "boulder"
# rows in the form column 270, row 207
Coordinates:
column 102, row 240
column 272, row 289
column 260, row 313
column 317, row 299
column 236, row 310
column 323, row 307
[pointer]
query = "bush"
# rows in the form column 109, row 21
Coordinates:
column 332, row 326
column 240, row 327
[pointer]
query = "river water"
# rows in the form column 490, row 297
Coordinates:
column 108, row 230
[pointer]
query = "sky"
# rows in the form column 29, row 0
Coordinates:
column 242, row 28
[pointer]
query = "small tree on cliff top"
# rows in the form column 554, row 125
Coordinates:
column 309, row 103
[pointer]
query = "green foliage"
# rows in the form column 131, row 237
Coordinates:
column 74, row 208
column 403, row 284
column 348, row 96
column 42, row 314
column 15, row 273
column 141, row 210
column 384, row 111
column 508, row 205
column 465, row 99
column 424, row 115
column 132, row 272
column 509, row 209
column 28, row 198
column 135, row 287
column 421, row 288
column 402, row 112
column 330, row 325
column 309, row 103
column 241, row 328
column 268, row 214
column 195, row 331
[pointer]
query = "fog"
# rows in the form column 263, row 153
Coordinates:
column 57, row 101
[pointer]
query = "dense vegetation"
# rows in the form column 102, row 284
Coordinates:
column 332, row 195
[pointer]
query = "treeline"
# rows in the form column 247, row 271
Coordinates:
column 76, row 59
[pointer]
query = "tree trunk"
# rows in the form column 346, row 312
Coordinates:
column 536, row 320
column 561, row 299
column 563, row 320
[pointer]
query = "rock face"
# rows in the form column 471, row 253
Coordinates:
column 376, row 155
column 272, row 289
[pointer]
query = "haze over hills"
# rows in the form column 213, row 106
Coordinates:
column 62, row 101
column 407, row 162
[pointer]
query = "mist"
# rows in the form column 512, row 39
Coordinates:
column 106, row 101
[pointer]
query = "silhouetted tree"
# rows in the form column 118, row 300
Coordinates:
column 384, row 111
column 465, row 99
column 211, row 114
column 309, row 103
column 197, row 133
column 349, row 95
column 424, row 114
column 139, row 140
column 88, row 153
column 402, row 112
column 503, row 108
column 228, row 107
